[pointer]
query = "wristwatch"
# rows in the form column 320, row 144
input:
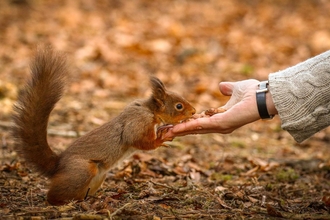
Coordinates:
column 261, row 100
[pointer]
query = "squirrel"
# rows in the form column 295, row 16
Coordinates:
column 79, row 171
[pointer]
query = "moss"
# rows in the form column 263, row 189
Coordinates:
column 288, row 175
column 269, row 187
column 238, row 144
column 221, row 177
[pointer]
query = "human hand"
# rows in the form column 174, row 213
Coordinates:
column 241, row 109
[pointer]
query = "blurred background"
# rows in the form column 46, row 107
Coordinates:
column 191, row 45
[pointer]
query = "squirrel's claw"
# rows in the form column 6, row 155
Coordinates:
column 162, row 130
column 164, row 127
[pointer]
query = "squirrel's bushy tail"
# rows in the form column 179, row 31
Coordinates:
column 34, row 105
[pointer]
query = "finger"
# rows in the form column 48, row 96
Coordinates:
column 197, row 126
column 171, row 134
column 226, row 88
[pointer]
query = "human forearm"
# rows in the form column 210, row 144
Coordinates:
column 301, row 95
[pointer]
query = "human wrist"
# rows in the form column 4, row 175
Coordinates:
column 270, row 104
column 264, row 101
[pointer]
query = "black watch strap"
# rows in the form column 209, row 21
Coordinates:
column 261, row 100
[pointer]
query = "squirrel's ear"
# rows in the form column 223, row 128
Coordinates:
column 158, row 90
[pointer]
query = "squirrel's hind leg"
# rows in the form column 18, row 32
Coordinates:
column 74, row 183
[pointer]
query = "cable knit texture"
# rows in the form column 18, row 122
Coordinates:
column 301, row 96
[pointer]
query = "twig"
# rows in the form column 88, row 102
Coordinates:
column 223, row 204
column 189, row 186
column 87, row 194
column 118, row 210
column 28, row 196
column 163, row 185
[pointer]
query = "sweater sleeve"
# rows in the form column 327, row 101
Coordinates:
column 301, row 96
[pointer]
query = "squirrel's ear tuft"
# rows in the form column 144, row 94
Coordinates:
column 158, row 90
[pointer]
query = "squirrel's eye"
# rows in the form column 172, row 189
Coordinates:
column 179, row 106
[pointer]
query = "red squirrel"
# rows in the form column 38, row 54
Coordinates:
column 81, row 169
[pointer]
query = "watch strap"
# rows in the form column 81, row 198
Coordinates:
column 261, row 100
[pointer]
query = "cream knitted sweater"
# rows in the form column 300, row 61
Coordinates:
column 301, row 96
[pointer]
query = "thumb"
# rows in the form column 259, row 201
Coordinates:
column 226, row 88
column 233, row 89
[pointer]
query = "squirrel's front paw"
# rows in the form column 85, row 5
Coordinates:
column 161, row 131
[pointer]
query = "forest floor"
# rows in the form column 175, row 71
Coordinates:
column 256, row 172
